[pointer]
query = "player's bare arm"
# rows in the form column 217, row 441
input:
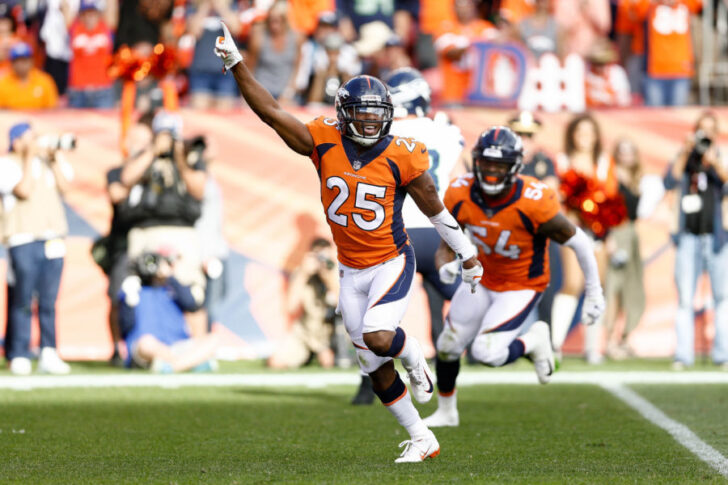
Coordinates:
column 263, row 104
column 561, row 230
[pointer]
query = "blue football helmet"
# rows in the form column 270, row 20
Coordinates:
column 497, row 159
column 410, row 92
column 364, row 110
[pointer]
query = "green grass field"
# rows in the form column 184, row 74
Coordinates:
column 509, row 433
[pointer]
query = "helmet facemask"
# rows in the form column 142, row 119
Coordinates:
column 495, row 175
column 365, row 124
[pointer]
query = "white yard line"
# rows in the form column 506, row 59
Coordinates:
column 322, row 379
column 681, row 433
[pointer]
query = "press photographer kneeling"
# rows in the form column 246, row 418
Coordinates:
column 151, row 316
column 699, row 175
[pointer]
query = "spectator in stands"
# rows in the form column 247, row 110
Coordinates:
column 92, row 43
column 8, row 36
column 140, row 21
column 357, row 13
column 33, row 176
column 539, row 30
column 583, row 22
column 371, row 47
column 54, row 34
column 669, row 49
column 452, row 45
column 208, row 86
column 538, row 163
column 698, row 176
column 584, row 156
column 274, row 53
column 152, row 303
column 630, row 39
column 607, row 85
column 432, row 14
column 326, row 62
column 516, row 11
column 165, row 202
column 26, row 87
column 313, row 292
column 305, row 15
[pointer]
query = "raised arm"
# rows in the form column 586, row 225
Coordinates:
column 288, row 127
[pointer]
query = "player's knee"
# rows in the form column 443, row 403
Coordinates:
column 449, row 347
column 379, row 342
column 485, row 352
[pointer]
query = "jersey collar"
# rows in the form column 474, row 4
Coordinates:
column 491, row 210
column 360, row 160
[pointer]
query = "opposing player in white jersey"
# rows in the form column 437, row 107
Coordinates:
column 411, row 99
column 444, row 142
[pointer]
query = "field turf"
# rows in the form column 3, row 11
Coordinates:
column 561, row 433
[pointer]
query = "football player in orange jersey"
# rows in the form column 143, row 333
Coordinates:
column 511, row 218
column 365, row 174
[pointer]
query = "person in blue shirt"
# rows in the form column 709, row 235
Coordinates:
column 151, row 314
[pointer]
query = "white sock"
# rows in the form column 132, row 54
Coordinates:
column 448, row 403
column 562, row 313
column 411, row 353
column 408, row 417
column 530, row 340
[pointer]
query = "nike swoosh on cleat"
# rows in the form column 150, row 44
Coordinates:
column 432, row 388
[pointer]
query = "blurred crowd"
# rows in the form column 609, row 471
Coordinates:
column 81, row 53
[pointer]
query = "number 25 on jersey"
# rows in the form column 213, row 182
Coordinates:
column 363, row 200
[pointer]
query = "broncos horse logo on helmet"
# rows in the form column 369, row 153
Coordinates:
column 364, row 110
column 410, row 92
column 497, row 159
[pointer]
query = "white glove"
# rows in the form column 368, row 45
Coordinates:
column 472, row 276
column 226, row 49
column 449, row 272
column 593, row 308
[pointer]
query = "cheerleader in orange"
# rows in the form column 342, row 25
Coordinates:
column 591, row 197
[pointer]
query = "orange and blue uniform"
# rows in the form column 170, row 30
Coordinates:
column 514, row 256
column 363, row 193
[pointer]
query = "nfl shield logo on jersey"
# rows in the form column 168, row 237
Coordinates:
column 356, row 165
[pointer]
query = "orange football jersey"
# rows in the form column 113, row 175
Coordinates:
column 513, row 255
column 363, row 193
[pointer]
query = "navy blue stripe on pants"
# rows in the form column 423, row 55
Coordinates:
column 39, row 277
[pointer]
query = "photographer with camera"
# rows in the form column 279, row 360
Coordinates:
column 151, row 306
column 313, row 292
column 165, row 194
column 699, row 175
column 33, row 176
